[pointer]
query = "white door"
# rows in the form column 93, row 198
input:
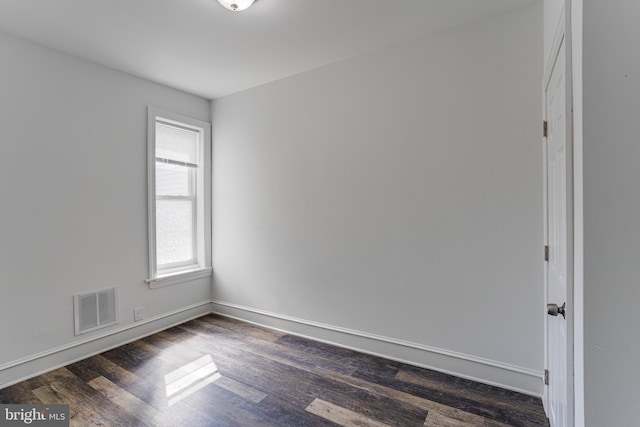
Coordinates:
column 559, row 172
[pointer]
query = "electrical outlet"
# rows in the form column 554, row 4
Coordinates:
column 138, row 314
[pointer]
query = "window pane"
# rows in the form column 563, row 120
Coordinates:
column 174, row 231
column 172, row 180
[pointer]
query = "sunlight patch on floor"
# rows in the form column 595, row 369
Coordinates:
column 190, row 378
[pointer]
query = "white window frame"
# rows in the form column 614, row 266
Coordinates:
column 201, row 266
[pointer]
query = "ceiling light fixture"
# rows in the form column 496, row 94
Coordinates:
column 236, row 5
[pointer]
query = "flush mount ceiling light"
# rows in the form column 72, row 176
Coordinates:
column 236, row 5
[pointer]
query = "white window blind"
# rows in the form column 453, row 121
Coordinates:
column 176, row 144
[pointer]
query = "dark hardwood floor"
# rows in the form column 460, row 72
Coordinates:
column 215, row 371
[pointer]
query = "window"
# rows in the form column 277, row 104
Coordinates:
column 179, row 201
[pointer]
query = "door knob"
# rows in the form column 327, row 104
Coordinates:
column 554, row 310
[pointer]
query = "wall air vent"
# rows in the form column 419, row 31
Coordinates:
column 94, row 310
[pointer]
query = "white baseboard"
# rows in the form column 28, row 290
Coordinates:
column 37, row 364
column 478, row 369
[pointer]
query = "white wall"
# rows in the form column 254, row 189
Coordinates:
column 611, row 112
column 73, row 216
column 397, row 194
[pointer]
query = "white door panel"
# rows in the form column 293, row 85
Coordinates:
column 558, row 192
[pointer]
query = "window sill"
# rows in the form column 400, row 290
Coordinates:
column 177, row 278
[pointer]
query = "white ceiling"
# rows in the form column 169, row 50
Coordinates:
column 200, row 47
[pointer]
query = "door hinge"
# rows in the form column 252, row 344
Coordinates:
column 546, row 377
column 545, row 128
column 546, row 253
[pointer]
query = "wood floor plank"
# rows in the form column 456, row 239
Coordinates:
column 141, row 363
column 19, row 393
column 84, row 411
column 268, row 349
column 172, row 355
column 417, row 401
column 285, row 414
column 243, row 329
column 300, row 386
column 101, row 366
column 134, row 359
column 340, row 415
column 241, row 389
column 151, row 388
column 229, row 409
column 486, row 394
column 49, row 377
column 84, row 369
column 128, row 402
column 147, row 388
column 79, row 394
column 458, row 401
column 435, row 419
column 151, row 392
column 354, row 360
column 79, row 413
column 62, row 387
column 225, row 407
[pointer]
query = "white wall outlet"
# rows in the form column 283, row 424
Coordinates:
column 138, row 314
